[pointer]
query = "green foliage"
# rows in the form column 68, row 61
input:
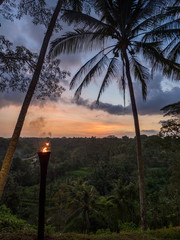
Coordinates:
column 127, row 227
column 166, row 233
column 107, row 165
column 80, row 172
column 10, row 223
column 49, row 230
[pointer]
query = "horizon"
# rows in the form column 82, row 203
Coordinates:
column 64, row 116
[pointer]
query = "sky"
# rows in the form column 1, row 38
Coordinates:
column 64, row 117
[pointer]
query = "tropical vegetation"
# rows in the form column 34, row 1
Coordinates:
column 95, row 191
column 92, row 183
column 130, row 37
column 40, row 13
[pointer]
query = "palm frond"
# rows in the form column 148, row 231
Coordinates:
column 87, row 21
column 169, row 47
column 167, row 31
column 152, row 7
column 104, row 8
column 111, row 73
column 173, row 11
column 104, row 34
column 146, row 24
column 174, row 53
column 155, row 14
column 95, row 71
column 141, row 46
column 89, row 64
column 77, row 5
column 141, row 73
column 72, row 42
column 159, row 62
column 177, row 3
column 122, row 13
column 134, row 16
column 72, row 218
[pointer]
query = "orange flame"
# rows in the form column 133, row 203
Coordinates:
column 46, row 148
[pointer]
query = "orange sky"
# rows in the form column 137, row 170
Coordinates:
column 59, row 119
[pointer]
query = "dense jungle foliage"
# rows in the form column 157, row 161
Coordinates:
column 92, row 184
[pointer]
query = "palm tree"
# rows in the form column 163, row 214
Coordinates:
column 129, row 36
column 81, row 205
column 78, row 201
column 125, row 197
column 77, row 4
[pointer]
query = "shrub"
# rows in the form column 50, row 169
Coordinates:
column 10, row 223
column 127, row 226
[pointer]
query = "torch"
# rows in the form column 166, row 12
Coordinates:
column 43, row 159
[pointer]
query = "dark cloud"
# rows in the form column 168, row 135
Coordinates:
column 26, row 33
column 106, row 107
column 11, row 98
column 149, row 132
column 16, row 99
column 156, row 99
column 154, row 103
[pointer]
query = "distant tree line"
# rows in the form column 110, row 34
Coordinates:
column 92, row 187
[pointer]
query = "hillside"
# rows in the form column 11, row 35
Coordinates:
column 100, row 174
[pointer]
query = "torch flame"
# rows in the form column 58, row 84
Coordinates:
column 46, row 148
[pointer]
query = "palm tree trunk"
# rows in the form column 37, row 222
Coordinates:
column 14, row 140
column 142, row 193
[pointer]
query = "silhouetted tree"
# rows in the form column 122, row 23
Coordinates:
column 138, row 28
column 77, row 5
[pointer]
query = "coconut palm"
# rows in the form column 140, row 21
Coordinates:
column 129, row 36
column 78, row 202
column 81, row 204
column 77, row 4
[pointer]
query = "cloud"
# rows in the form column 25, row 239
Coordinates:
column 149, row 132
column 16, row 98
column 25, row 32
column 156, row 99
column 106, row 107
column 70, row 62
column 155, row 103
column 11, row 98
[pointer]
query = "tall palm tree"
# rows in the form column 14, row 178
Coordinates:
column 77, row 4
column 81, row 204
column 128, row 35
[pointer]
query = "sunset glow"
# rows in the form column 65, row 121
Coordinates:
column 73, row 121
